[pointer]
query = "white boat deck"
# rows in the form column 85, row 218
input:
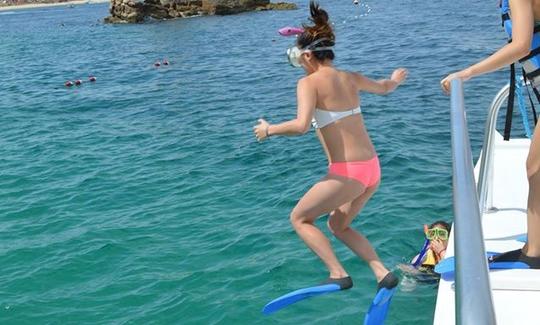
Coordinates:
column 516, row 293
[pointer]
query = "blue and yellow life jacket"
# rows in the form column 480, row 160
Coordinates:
column 530, row 67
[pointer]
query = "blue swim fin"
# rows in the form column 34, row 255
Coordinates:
column 378, row 310
column 298, row 295
column 447, row 265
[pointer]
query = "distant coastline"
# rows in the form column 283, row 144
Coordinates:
column 5, row 7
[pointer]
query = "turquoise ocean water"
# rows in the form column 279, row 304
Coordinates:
column 145, row 199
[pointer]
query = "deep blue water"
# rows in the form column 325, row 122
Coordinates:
column 144, row 198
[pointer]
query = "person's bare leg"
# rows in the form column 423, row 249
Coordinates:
column 322, row 198
column 532, row 248
column 339, row 223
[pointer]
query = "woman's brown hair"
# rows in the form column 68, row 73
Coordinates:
column 320, row 30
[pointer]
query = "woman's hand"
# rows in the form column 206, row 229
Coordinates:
column 463, row 75
column 261, row 130
column 399, row 75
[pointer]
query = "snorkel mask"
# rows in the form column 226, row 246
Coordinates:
column 294, row 53
column 435, row 233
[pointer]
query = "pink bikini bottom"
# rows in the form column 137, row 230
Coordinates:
column 367, row 172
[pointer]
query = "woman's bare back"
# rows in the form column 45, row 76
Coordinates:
column 346, row 139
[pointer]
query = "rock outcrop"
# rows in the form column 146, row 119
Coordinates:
column 136, row 11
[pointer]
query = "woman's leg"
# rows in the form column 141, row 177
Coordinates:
column 533, row 204
column 324, row 197
column 339, row 222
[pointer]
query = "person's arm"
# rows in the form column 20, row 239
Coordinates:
column 307, row 97
column 522, row 33
column 380, row 87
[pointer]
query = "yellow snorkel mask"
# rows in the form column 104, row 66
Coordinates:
column 435, row 233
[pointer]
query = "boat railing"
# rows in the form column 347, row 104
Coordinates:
column 473, row 300
column 486, row 160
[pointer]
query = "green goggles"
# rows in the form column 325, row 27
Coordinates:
column 435, row 233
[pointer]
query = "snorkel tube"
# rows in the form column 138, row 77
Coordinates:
column 290, row 31
column 423, row 251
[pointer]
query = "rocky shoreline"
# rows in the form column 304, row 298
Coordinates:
column 136, row 11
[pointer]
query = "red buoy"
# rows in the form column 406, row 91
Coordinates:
column 78, row 82
column 68, row 83
column 91, row 78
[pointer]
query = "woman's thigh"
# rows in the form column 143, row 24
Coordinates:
column 325, row 196
column 342, row 217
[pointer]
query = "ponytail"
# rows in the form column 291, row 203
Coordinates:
column 319, row 17
column 320, row 30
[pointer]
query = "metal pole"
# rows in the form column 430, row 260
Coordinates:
column 474, row 304
column 486, row 161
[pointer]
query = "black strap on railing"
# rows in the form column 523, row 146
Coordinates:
column 532, row 75
column 505, row 17
column 510, row 106
column 535, row 90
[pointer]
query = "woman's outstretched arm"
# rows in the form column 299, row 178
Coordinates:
column 306, row 96
column 381, row 87
column 522, row 33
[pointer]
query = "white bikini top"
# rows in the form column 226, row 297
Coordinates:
column 322, row 117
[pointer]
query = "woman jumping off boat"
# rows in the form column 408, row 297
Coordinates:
column 329, row 97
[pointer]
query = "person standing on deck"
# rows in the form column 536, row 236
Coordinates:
column 525, row 19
